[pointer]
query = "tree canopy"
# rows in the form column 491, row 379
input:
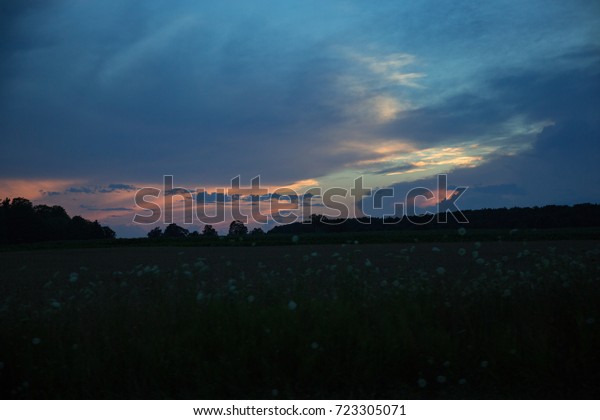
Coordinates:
column 22, row 222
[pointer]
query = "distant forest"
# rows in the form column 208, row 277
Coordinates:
column 22, row 222
column 577, row 216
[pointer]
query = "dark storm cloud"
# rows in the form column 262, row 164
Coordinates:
column 208, row 90
column 131, row 100
column 561, row 166
column 93, row 189
column 177, row 191
column 51, row 193
column 81, row 190
column 116, row 187
column 499, row 189
column 533, row 95
column 93, row 208
column 392, row 169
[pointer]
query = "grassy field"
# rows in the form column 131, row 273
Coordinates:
column 449, row 319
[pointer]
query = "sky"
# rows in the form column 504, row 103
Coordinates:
column 101, row 98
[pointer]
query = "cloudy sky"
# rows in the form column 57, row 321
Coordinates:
column 101, row 98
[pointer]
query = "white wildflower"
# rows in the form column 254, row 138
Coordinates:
column 292, row 305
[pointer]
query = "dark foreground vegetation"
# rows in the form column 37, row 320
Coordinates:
column 22, row 222
column 547, row 217
column 458, row 319
column 508, row 307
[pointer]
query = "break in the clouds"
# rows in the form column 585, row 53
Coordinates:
column 99, row 97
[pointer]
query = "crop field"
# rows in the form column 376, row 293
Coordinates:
column 451, row 320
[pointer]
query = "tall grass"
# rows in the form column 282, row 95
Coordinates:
column 317, row 325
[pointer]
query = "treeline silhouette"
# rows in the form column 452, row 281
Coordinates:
column 552, row 216
column 237, row 229
column 22, row 222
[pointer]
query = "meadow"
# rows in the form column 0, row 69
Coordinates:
column 462, row 318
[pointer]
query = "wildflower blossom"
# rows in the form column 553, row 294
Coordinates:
column 73, row 277
column 440, row 270
column 422, row 383
column 292, row 305
column 35, row 341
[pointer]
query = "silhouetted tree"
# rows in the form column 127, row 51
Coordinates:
column 257, row 232
column 175, row 231
column 53, row 221
column 80, row 228
column 109, row 233
column 22, row 226
column 209, row 232
column 237, row 228
column 155, row 233
column 20, row 222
